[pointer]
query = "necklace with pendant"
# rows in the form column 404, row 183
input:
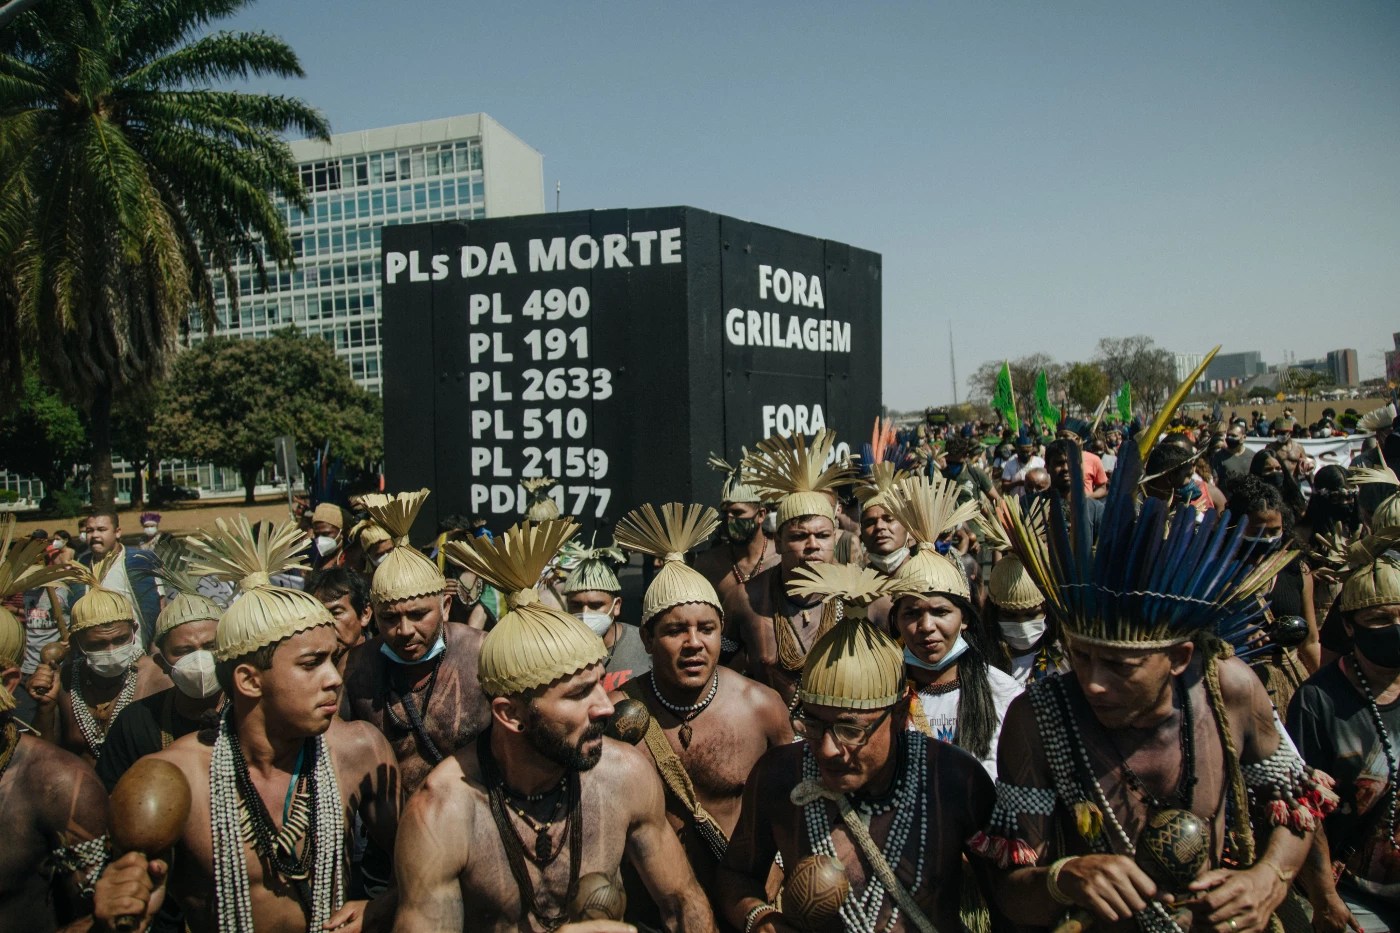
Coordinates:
column 686, row 713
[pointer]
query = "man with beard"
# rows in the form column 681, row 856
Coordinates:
column 744, row 550
column 708, row 724
column 484, row 842
column 773, row 627
column 417, row 681
column 892, row 806
column 279, row 748
column 110, row 670
column 1155, row 716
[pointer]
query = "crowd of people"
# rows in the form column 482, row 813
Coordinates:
column 1115, row 676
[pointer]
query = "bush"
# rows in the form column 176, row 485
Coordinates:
column 63, row 502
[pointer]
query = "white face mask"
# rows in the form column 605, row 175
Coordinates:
column 56, row 543
column 599, row 622
column 114, row 662
column 378, row 559
column 194, row 675
column 325, row 544
column 150, row 530
column 1022, row 635
column 887, row 563
column 82, row 536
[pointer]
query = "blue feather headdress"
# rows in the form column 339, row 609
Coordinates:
column 1158, row 577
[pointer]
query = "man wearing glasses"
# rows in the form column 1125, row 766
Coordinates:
column 892, row 806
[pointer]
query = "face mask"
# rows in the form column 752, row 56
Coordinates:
column 114, row 662
column 325, row 544
column 433, row 652
column 599, row 622
column 949, row 657
column 1273, row 479
column 378, row 559
column 56, row 544
column 150, row 530
column 1022, row 636
column 886, row 563
column 194, row 675
column 1380, row 645
column 1188, row 491
column 1263, row 543
column 82, row 536
column 1233, row 441
column 741, row 530
column 770, row 524
column 954, row 469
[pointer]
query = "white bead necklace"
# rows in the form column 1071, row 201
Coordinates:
column 93, row 734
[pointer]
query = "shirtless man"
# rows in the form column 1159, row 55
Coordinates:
column 503, row 829
column 280, row 749
column 715, row 722
column 920, row 799
column 417, row 680
column 77, row 703
column 745, row 550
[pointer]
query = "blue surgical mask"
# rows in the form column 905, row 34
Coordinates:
column 951, row 655
column 433, row 652
column 954, row 469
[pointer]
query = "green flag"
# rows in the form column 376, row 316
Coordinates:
column 1049, row 414
column 1004, row 400
column 1125, row 403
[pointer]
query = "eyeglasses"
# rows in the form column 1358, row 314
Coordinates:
column 849, row 735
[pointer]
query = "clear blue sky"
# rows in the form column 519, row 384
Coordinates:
column 1040, row 174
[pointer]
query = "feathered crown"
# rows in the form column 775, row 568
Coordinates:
column 928, row 508
column 853, row 665
column 790, row 470
column 405, row 573
column 99, row 605
column 1377, row 419
column 262, row 614
column 532, row 644
column 591, row 568
column 884, row 461
column 734, row 489
column 186, row 603
column 539, row 507
column 669, row 534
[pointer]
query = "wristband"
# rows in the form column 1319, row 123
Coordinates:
column 1052, row 881
column 1282, row 875
column 756, row 914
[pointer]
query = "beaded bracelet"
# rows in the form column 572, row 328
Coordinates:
column 1052, row 881
column 756, row 914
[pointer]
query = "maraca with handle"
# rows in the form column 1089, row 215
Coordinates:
column 813, row 892
column 1173, row 849
column 147, row 812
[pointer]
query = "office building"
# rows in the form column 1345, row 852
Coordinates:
column 1342, row 365
column 1231, row 368
column 1186, row 364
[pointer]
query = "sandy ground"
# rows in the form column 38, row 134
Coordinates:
column 178, row 518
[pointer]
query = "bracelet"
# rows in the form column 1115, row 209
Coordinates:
column 756, row 914
column 1282, row 875
column 1052, row 881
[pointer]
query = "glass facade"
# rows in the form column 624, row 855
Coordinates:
column 334, row 290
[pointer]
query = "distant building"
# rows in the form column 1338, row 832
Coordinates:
column 1233, row 367
column 1186, row 364
column 1392, row 362
column 1342, row 364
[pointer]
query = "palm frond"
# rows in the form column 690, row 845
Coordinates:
column 669, row 533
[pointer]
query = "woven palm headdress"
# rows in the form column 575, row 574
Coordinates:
column 853, row 665
column 669, row 534
column 795, row 473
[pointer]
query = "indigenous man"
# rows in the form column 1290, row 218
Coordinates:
column 745, row 550
column 885, row 540
column 346, row 594
column 124, row 570
column 327, row 545
column 891, row 805
column 959, row 468
column 274, row 788
column 1154, row 717
column 416, row 681
column 185, row 642
column 76, row 705
column 593, row 594
column 708, row 724
column 484, row 843
column 1013, row 471
column 773, row 627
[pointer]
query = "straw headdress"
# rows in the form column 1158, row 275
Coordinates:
column 853, row 665
column 261, row 614
column 668, row 535
column 539, row 506
column 367, row 533
column 19, row 572
column 532, row 644
column 187, row 604
column 734, row 489
column 405, row 573
column 1373, row 577
column 591, row 569
column 1010, row 587
column 928, row 508
column 794, row 473
column 99, row 605
column 1387, row 514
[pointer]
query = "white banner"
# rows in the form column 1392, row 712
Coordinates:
column 1322, row 450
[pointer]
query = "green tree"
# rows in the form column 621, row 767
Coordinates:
column 1138, row 360
column 122, row 169
column 42, row 435
column 228, row 399
column 1086, row 384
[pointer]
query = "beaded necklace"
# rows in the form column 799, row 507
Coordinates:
column 686, row 713
column 908, row 800
column 95, row 734
column 236, row 812
column 740, row 578
column 791, row 652
column 1186, row 780
column 1392, row 771
column 410, row 707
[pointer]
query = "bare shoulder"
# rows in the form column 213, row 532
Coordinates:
column 358, row 745
column 761, row 698
column 447, row 793
column 50, row 771
column 190, row 753
column 1239, row 685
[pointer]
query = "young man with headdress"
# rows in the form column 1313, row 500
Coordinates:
column 892, row 806
column 107, row 669
column 416, row 681
column 1155, row 717
column 503, row 832
column 186, row 637
column 1030, row 643
column 884, row 540
column 593, row 594
column 773, row 627
column 1346, row 721
column 328, row 539
column 744, row 549
column 708, row 725
column 274, row 787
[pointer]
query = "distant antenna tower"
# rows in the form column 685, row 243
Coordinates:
column 558, row 189
column 952, row 363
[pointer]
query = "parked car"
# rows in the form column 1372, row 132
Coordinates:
column 173, row 492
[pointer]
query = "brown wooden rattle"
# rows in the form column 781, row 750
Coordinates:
column 147, row 813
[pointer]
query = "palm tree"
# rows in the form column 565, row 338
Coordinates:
column 125, row 175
